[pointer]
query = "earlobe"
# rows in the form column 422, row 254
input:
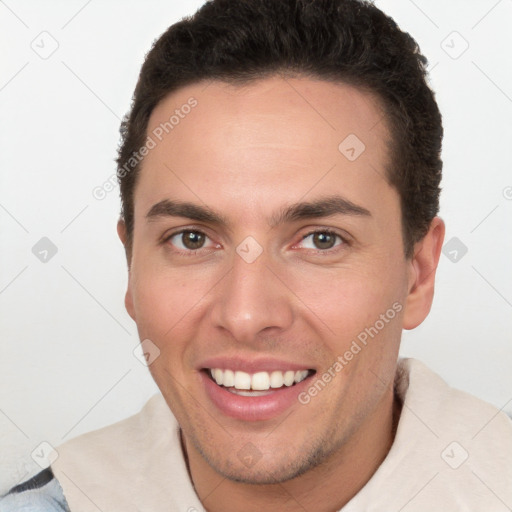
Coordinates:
column 423, row 266
column 128, row 300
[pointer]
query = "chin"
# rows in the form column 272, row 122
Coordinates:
column 249, row 466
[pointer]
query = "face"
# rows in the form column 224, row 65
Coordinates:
column 267, row 251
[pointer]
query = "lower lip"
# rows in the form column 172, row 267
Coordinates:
column 257, row 408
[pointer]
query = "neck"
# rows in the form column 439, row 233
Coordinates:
column 327, row 487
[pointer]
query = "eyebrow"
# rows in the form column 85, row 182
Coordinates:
column 324, row 207
column 168, row 208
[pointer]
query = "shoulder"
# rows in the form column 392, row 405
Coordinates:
column 42, row 493
column 113, row 447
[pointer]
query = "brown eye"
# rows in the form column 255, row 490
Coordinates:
column 321, row 240
column 324, row 240
column 189, row 240
column 192, row 239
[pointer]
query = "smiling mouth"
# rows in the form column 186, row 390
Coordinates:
column 256, row 384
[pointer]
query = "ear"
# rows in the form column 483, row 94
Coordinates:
column 123, row 236
column 121, row 231
column 422, row 273
column 128, row 298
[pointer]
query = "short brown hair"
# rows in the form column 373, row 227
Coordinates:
column 349, row 41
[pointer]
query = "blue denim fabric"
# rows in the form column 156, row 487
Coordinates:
column 48, row 498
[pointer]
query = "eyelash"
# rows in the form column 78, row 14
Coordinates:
column 329, row 232
column 186, row 252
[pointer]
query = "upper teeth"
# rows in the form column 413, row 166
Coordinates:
column 259, row 381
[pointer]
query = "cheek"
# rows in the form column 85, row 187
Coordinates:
column 168, row 309
column 347, row 296
column 348, row 304
column 166, row 301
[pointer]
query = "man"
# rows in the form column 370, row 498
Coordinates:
column 279, row 176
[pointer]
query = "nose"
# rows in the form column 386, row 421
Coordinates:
column 252, row 301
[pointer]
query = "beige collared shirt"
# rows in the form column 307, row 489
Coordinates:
column 452, row 452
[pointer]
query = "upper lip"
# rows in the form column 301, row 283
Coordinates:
column 252, row 365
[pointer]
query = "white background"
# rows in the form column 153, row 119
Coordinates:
column 66, row 361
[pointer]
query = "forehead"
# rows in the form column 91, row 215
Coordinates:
column 284, row 138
